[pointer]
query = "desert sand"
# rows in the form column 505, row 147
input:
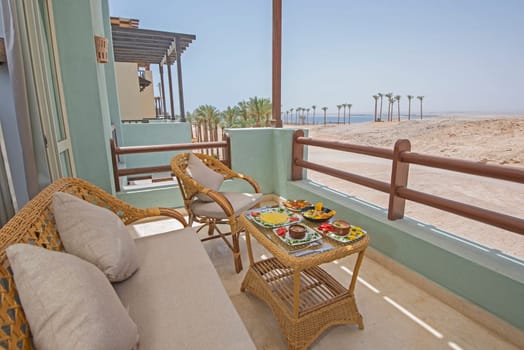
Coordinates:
column 484, row 138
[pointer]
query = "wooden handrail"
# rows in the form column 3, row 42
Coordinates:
column 504, row 221
column 150, row 169
column 347, row 147
column 116, row 151
column 402, row 157
column 171, row 147
column 465, row 166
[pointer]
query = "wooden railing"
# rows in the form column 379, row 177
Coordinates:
column 401, row 157
column 116, row 151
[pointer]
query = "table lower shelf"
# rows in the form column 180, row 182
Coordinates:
column 323, row 301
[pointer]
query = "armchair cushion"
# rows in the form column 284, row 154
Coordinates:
column 240, row 202
column 69, row 303
column 95, row 234
column 203, row 175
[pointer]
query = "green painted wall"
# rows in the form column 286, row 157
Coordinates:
column 252, row 154
column 85, row 87
column 158, row 133
column 112, row 88
column 264, row 154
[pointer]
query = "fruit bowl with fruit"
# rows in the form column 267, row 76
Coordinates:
column 318, row 213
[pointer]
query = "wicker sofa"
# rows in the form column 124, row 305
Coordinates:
column 176, row 297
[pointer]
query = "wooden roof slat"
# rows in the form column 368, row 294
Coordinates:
column 147, row 46
column 152, row 33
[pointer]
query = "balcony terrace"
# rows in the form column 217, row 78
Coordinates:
column 419, row 287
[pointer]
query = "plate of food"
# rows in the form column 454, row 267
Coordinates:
column 296, row 234
column 317, row 213
column 296, row 204
column 273, row 217
column 355, row 233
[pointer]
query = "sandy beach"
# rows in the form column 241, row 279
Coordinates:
column 494, row 139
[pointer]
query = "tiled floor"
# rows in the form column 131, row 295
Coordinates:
column 397, row 315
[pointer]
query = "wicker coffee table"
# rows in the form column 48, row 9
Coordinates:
column 304, row 298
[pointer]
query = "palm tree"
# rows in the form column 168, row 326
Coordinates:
column 314, row 107
column 260, row 109
column 389, row 95
column 397, row 97
column 375, row 97
column 243, row 109
column 391, row 103
column 381, row 95
column 291, row 111
column 344, row 119
column 230, row 113
column 420, row 98
column 349, row 113
column 297, row 111
column 338, row 117
column 209, row 116
column 325, row 110
column 307, row 115
column 214, row 122
column 410, row 97
column 222, row 125
column 199, row 120
column 302, row 116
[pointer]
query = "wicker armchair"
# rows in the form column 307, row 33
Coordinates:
column 225, row 207
column 35, row 224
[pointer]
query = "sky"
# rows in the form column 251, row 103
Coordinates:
column 461, row 55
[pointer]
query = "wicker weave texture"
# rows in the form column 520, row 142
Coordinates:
column 35, row 224
column 323, row 303
column 189, row 188
column 304, row 298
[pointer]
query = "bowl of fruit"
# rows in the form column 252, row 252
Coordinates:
column 318, row 213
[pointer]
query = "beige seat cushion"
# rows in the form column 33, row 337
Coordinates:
column 69, row 303
column 203, row 175
column 177, row 299
column 240, row 202
column 95, row 234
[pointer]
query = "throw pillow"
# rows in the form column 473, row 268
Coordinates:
column 95, row 234
column 205, row 176
column 68, row 302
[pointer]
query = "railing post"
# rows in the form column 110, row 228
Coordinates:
column 114, row 160
column 227, row 150
column 399, row 178
column 298, row 153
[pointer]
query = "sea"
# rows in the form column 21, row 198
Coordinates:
column 355, row 118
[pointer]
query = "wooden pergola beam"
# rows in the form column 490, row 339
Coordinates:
column 145, row 46
column 154, row 46
column 180, row 85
